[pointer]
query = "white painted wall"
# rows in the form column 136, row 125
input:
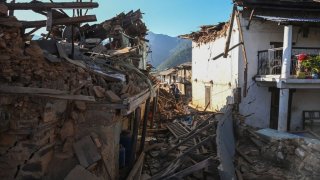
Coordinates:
column 223, row 72
column 303, row 100
column 227, row 74
column 257, row 104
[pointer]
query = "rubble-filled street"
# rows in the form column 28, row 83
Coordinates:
column 89, row 92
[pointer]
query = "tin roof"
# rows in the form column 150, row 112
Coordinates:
column 289, row 19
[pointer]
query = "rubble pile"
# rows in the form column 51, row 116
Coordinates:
column 208, row 33
column 261, row 158
column 26, row 66
column 129, row 25
column 187, row 149
column 169, row 106
column 50, row 127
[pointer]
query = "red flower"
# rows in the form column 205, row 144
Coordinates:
column 302, row 57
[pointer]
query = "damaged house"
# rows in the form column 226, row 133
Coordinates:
column 265, row 63
column 179, row 75
column 265, row 59
column 67, row 99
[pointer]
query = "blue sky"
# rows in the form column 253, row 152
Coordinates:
column 171, row 17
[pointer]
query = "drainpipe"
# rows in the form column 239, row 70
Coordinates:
column 285, row 74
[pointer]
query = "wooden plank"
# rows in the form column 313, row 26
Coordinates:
column 134, row 136
column 60, row 21
column 49, row 20
column 155, row 108
column 201, row 165
column 105, row 106
column 136, row 170
column 63, row 54
column 210, row 138
column 44, row 92
column 250, row 19
column 86, row 151
column 245, row 157
column 29, row 90
column 69, row 97
column 145, row 122
column 133, row 98
column 226, row 48
column 187, row 138
column 134, row 104
column 43, row 6
column 79, row 172
column 244, row 54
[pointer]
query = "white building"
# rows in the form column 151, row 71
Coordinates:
column 266, row 90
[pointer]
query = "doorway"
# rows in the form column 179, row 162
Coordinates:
column 274, row 109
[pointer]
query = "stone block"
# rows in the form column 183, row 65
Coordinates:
column 112, row 96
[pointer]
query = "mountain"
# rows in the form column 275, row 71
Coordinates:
column 176, row 58
column 168, row 51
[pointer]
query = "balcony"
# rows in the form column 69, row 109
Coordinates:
column 269, row 68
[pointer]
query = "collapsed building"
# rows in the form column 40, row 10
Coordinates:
column 263, row 63
column 66, row 98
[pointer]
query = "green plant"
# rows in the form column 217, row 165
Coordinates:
column 312, row 64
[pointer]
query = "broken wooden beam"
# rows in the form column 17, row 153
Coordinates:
column 135, row 172
column 134, row 137
column 145, row 122
column 29, row 90
column 226, row 49
column 188, row 137
column 49, row 93
column 61, row 21
column 45, row 6
column 201, row 165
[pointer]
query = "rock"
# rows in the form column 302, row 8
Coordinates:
column 99, row 91
column 67, row 130
column 4, row 57
column 86, row 151
column 124, row 96
column 299, row 152
column 112, row 96
column 80, row 105
column 3, row 10
column 5, row 100
column 124, row 89
column 33, row 167
column 34, row 50
column 49, row 114
column 74, row 115
column 81, row 118
column 80, row 173
column 96, row 139
column 67, row 149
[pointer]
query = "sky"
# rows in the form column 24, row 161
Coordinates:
column 171, row 17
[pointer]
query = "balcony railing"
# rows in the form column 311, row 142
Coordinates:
column 270, row 61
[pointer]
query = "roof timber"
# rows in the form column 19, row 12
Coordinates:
column 295, row 5
column 61, row 21
column 45, row 6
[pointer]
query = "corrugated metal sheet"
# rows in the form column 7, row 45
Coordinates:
column 289, row 19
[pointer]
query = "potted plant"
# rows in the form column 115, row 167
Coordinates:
column 302, row 65
column 311, row 65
